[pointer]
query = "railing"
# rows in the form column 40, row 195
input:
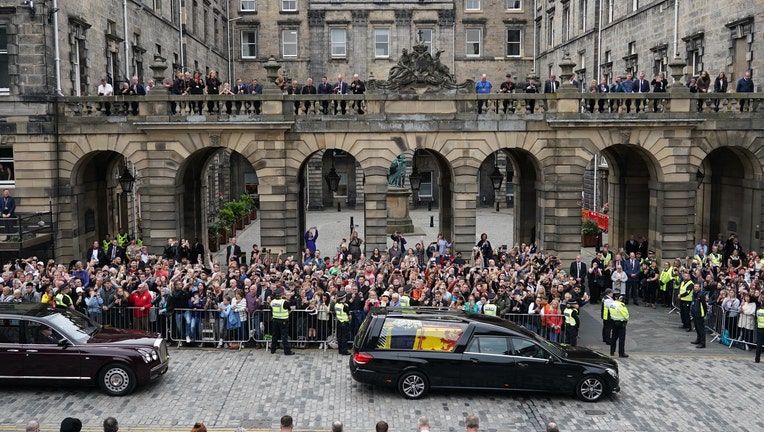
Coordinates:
column 27, row 234
column 550, row 327
column 263, row 107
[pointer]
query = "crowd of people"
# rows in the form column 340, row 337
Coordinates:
column 286, row 424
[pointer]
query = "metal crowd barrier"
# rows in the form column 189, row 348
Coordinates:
column 715, row 322
column 132, row 318
column 539, row 325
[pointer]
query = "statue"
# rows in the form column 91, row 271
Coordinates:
column 397, row 171
column 418, row 69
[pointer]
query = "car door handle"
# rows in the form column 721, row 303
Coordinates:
column 521, row 364
column 32, row 351
column 474, row 360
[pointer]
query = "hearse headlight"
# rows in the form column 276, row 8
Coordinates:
column 612, row 372
column 147, row 355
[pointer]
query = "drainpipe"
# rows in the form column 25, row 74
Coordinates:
column 127, row 41
column 535, row 35
column 599, row 41
column 676, row 28
column 180, row 36
column 57, row 58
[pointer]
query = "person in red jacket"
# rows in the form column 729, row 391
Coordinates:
column 140, row 300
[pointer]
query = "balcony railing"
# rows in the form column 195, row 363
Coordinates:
column 267, row 107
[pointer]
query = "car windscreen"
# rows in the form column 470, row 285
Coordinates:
column 551, row 347
column 73, row 325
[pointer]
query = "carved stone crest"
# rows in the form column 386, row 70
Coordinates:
column 418, row 71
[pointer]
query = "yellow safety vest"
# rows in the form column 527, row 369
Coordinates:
column 122, row 239
column 605, row 312
column 139, row 241
column 405, row 301
column 685, row 291
column 278, row 310
column 489, row 309
column 716, row 259
column 60, row 300
column 106, row 244
column 760, row 318
column 699, row 259
column 665, row 278
column 607, row 258
column 569, row 320
column 339, row 312
column 619, row 312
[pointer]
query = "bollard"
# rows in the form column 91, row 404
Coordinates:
column 339, row 207
column 432, row 221
column 352, row 225
column 429, row 205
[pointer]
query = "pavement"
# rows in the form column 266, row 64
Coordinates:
column 666, row 383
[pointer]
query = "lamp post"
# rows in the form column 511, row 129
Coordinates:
column 127, row 182
column 496, row 179
column 415, row 178
column 231, row 66
column 699, row 176
column 333, row 181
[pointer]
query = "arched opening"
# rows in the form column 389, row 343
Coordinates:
column 99, row 204
column 729, row 201
column 630, row 193
column 206, row 182
column 331, row 206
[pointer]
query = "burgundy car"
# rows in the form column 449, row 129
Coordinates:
column 39, row 343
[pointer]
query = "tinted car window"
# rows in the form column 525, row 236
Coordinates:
column 36, row 334
column 526, row 348
column 398, row 333
column 489, row 345
column 74, row 325
column 9, row 331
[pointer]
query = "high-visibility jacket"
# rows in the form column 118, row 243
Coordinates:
column 139, row 241
column 489, row 309
column 339, row 313
column 700, row 259
column 685, row 291
column 122, row 239
column 405, row 301
column 605, row 312
column 60, row 302
column 716, row 259
column 606, row 258
column 278, row 309
column 619, row 312
column 760, row 319
column 569, row 320
column 106, row 244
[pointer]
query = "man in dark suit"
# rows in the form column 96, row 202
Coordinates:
column 631, row 245
column 632, row 268
column 308, row 89
column 233, row 252
column 255, row 89
column 96, row 253
column 641, row 85
column 325, row 89
column 136, row 89
column 340, row 88
column 197, row 253
column 578, row 271
column 357, row 87
column 552, row 85
column 114, row 251
column 9, row 212
column 239, row 89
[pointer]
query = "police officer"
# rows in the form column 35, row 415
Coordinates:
column 759, row 330
column 406, row 297
column 280, row 322
column 698, row 313
column 571, row 322
column 620, row 316
column 490, row 308
column 607, row 321
column 685, row 300
column 63, row 299
column 341, row 310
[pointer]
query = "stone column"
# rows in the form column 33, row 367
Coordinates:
column 678, row 91
column 464, row 208
column 375, row 209
column 676, row 216
column 568, row 96
column 278, row 205
column 318, row 43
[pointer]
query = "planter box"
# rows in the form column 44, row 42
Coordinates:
column 213, row 243
column 589, row 240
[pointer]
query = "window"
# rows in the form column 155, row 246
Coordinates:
column 289, row 43
column 632, row 64
column 5, row 79
column 381, row 43
column 489, row 345
column 472, row 5
column 473, row 39
column 7, row 168
column 565, row 23
column 10, row 331
column 78, row 59
column 339, row 42
column 610, row 11
column 634, row 5
column 695, row 54
column 288, row 5
column 247, row 5
column 660, row 54
column 248, row 44
column 514, row 4
column 526, row 348
column 514, row 42
column 550, row 30
column 408, row 334
column 425, row 188
column 582, row 10
column 425, row 38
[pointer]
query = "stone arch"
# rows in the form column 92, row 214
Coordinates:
column 99, row 206
column 729, row 196
column 634, row 188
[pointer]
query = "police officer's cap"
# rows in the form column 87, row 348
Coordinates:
column 609, row 291
column 621, row 296
column 491, row 296
column 341, row 295
column 651, row 252
column 573, row 303
column 279, row 292
column 407, row 289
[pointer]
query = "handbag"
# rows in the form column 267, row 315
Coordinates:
column 725, row 339
column 234, row 321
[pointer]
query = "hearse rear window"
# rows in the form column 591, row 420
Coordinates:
column 418, row 335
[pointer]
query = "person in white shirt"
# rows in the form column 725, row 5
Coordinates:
column 105, row 89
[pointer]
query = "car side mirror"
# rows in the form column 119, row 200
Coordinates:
column 63, row 342
column 550, row 359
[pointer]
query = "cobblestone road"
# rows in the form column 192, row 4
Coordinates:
column 666, row 386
